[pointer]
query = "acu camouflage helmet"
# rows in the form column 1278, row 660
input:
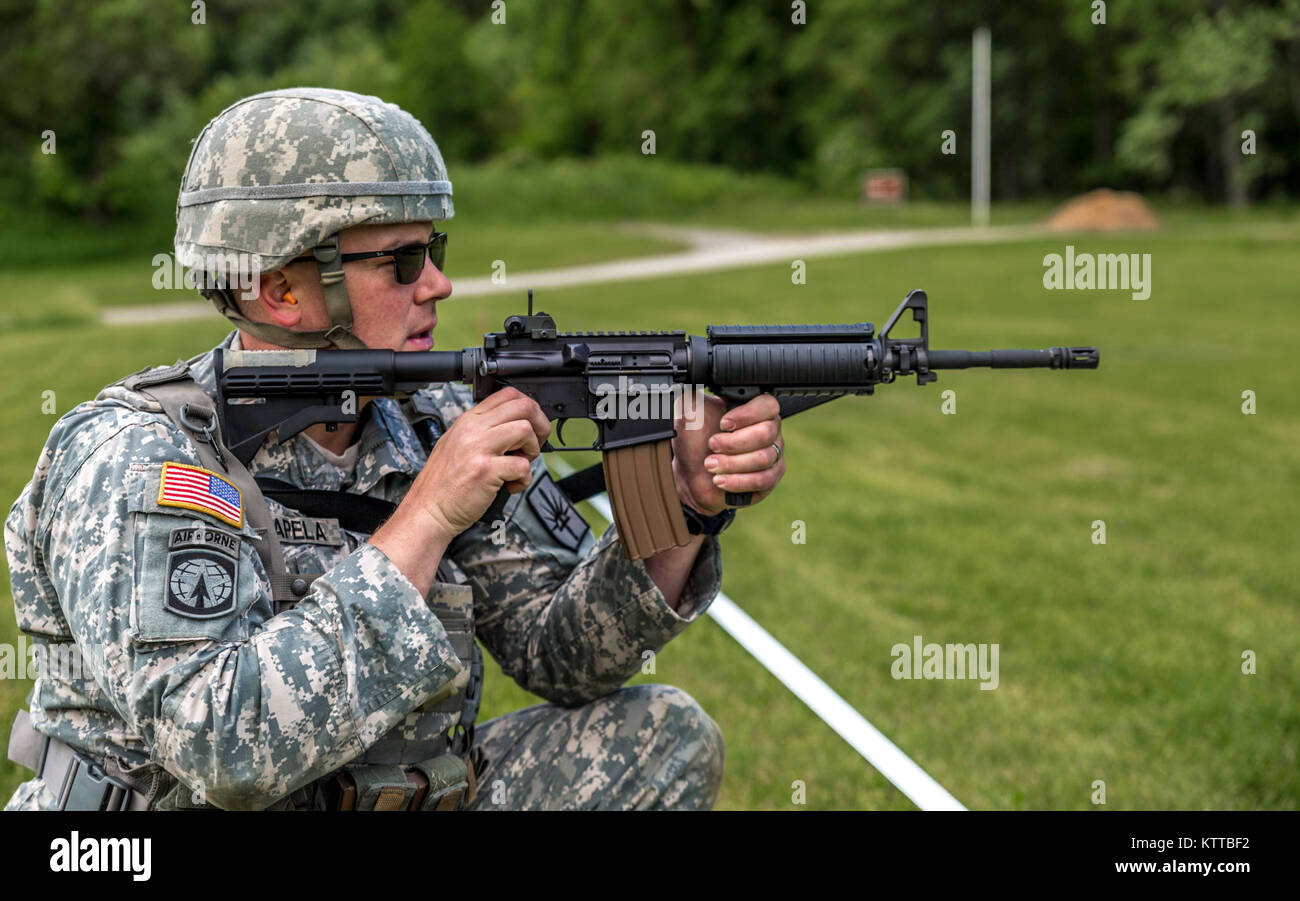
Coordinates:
column 280, row 174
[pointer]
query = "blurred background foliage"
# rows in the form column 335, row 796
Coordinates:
column 1155, row 99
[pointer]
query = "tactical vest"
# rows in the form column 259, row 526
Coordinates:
column 423, row 763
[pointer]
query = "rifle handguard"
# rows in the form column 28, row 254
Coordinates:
column 642, row 492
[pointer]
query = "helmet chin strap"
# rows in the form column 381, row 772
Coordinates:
column 329, row 264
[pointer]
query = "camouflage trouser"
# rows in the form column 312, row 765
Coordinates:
column 32, row 795
column 643, row 747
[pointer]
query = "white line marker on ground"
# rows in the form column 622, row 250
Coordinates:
column 808, row 687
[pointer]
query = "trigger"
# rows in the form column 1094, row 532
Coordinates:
column 559, row 430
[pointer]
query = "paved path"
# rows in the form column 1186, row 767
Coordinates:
column 711, row 250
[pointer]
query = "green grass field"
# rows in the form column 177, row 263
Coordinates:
column 1120, row 662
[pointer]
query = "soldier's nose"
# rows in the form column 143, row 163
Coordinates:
column 433, row 284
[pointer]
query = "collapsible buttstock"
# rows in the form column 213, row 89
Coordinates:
column 642, row 492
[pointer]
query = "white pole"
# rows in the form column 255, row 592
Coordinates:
column 981, row 104
column 866, row 739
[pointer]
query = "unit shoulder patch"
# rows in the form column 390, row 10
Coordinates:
column 556, row 512
column 202, row 565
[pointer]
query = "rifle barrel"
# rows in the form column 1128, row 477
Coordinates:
column 1048, row 358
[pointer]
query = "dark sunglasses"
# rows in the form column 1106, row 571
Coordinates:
column 408, row 260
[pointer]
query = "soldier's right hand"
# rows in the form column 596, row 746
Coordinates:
column 491, row 444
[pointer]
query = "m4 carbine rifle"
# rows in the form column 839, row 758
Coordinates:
column 607, row 377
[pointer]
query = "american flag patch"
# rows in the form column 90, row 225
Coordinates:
column 198, row 489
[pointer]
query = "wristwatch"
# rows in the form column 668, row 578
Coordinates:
column 699, row 524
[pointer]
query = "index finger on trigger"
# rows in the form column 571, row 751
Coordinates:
column 496, row 399
column 515, row 436
column 541, row 425
column 522, row 409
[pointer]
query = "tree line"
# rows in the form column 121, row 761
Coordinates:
column 1194, row 98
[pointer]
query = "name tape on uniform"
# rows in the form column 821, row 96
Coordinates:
column 306, row 530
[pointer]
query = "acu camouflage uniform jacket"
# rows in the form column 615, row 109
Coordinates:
column 251, row 705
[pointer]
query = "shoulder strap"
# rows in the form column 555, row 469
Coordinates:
column 189, row 406
column 155, row 376
column 428, row 426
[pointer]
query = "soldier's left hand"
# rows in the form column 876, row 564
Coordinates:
column 720, row 450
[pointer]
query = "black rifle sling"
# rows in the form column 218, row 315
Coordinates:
column 358, row 513
column 585, row 483
column 354, row 512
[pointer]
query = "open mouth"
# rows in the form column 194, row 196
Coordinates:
column 422, row 340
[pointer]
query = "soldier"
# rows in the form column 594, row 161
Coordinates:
column 299, row 633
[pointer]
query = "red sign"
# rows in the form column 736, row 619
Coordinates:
column 884, row 186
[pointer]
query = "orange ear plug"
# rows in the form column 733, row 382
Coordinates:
column 289, row 298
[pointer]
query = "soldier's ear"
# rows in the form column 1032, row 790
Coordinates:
column 277, row 301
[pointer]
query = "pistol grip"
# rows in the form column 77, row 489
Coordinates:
column 497, row 508
column 734, row 397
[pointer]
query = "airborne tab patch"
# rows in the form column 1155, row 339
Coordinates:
column 201, row 568
column 556, row 512
column 195, row 488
